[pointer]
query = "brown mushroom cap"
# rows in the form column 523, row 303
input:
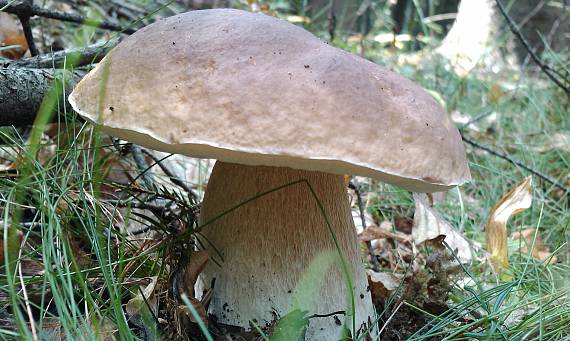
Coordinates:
column 253, row 89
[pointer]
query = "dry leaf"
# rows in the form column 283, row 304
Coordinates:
column 375, row 232
column 462, row 119
column 135, row 304
column 539, row 250
column 199, row 307
column 14, row 46
column 142, row 306
column 382, row 284
column 82, row 259
column 515, row 201
column 104, row 329
column 429, row 225
column 196, row 264
column 13, row 43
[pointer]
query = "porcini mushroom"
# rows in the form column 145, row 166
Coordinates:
column 274, row 105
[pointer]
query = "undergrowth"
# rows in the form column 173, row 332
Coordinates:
column 79, row 263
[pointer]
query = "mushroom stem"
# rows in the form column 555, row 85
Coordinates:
column 268, row 246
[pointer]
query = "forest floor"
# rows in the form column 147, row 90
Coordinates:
column 95, row 239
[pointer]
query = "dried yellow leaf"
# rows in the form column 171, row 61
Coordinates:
column 515, row 201
column 196, row 264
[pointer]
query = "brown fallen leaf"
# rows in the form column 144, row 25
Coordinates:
column 539, row 250
column 382, row 284
column 142, row 306
column 515, row 201
column 196, row 264
column 429, row 225
column 13, row 43
column 199, row 307
column 375, row 232
column 14, row 46
column 138, row 302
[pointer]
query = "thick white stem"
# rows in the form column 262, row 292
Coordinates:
column 277, row 253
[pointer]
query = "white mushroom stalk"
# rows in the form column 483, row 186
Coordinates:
column 268, row 244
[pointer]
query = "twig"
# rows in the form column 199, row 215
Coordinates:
column 373, row 259
column 331, row 20
column 340, row 312
column 25, row 21
column 84, row 56
column 390, row 318
column 23, row 8
column 142, row 166
column 506, row 157
column 546, row 69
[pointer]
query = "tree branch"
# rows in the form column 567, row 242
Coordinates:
column 506, row 157
column 25, row 9
column 81, row 57
column 545, row 68
column 25, row 21
column 22, row 92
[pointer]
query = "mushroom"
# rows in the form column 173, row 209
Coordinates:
column 286, row 115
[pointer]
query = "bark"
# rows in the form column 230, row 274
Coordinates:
column 22, row 92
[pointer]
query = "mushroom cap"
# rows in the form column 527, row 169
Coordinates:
column 252, row 89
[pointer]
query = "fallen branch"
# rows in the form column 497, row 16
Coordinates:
column 27, row 28
column 545, row 68
column 80, row 57
column 506, row 157
column 22, row 92
column 26, row 9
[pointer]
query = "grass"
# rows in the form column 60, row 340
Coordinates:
column 78, row 265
